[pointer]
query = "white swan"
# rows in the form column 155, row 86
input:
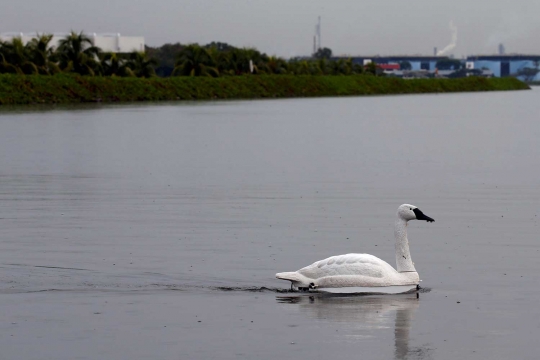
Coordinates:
column 363, row 272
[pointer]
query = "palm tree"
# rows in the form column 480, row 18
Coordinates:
column 16, row 54
column 341, row 67
column 356, row 68
column 301, row 67
column 275, row 65
column 140, row 65
column 222, row 60
column 238, row 62
column 113, row 64
column 322, row 66
column 194, row 60
column 7, row 68
column 42, row 55
column 247, row 55
column 77, row 53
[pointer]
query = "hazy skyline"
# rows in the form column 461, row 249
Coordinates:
column 286, row 28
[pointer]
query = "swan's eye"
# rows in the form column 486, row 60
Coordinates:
column 410, row 209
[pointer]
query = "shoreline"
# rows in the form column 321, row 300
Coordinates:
column 70, row 89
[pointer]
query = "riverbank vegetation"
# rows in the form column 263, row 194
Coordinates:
column 76, row 54
column 68, row 88
column 74, row 70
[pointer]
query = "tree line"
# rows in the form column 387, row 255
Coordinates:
column 76, row 53
column 221, row 59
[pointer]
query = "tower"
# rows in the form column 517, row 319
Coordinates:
column 319, row 32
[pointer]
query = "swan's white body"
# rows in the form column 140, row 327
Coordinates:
column 347, row 271
column 357, row 273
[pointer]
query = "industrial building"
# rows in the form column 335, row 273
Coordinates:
column 508, row 65
column 107, row 42
column 525, row 67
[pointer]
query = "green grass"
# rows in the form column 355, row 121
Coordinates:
column 34, row 89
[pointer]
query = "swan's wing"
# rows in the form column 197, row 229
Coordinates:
column 348, row 264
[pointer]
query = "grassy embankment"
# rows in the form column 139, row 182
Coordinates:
column 34, row 89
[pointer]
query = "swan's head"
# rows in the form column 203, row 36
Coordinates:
column 410, row 212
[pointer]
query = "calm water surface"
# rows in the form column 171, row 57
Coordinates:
column 143, row 231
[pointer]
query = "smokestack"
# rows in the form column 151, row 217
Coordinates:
column 319, row 33
column 435, row 51
column 501, row 49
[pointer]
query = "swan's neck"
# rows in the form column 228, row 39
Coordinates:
column 403, row 256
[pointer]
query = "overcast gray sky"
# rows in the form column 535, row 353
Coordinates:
column 286, row 27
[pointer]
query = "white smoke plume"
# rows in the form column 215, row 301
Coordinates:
column 453, row 42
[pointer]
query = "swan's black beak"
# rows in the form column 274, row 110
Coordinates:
column 421, row 216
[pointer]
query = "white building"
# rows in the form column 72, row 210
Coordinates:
column 107, row 42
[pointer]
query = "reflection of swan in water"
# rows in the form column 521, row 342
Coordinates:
column 367, row 312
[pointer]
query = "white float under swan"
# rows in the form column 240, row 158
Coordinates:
column 364, row 273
